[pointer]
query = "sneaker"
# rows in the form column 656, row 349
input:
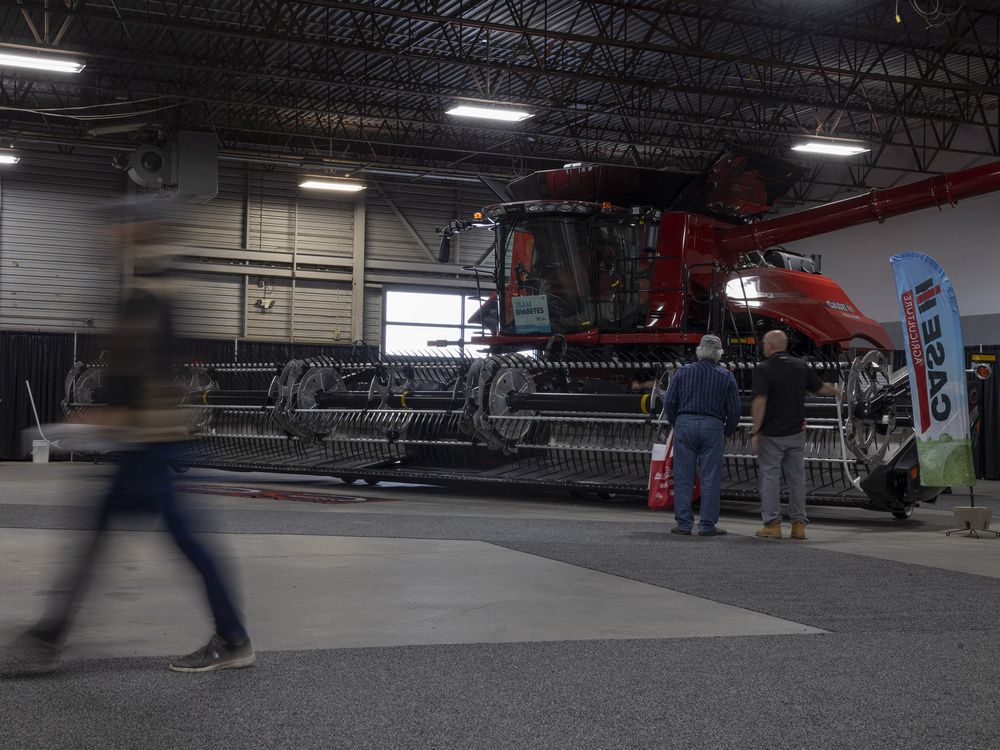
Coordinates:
column 714, row 531
column 218, row 654
column 29, row 654
column 679, row 530
column 798, row 530
column 770, row 531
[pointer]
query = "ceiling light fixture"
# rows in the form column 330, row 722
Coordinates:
column 36, row 62
column 489, row 113
column 344, row 187
column 9, row 157
column 830, row 147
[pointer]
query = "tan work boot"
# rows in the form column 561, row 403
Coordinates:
column 770, row 531
column 798, row 530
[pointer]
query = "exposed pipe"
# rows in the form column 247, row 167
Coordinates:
column 877, row 205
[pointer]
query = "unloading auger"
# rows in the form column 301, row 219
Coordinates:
column 599, row 299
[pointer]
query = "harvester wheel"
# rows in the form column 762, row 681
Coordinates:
column 903, row 514
column 372, row 482
column 179, row 468
column 349, row 479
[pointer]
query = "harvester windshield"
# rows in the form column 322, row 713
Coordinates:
column 567, row 268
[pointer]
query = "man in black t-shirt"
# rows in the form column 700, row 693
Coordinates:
column 780, row 383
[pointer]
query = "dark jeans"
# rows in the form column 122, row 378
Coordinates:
column 698, row 443
column 143, row 483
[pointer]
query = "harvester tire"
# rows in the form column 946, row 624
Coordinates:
column 903, row 514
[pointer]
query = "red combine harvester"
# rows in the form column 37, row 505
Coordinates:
column 605, row 279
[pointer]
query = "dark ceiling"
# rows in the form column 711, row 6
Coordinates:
column 657, row 84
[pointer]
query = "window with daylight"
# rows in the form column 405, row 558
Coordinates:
column 432, row 323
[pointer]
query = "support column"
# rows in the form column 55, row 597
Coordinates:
column 358, row 273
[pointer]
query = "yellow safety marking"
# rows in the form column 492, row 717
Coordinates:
column 402, row 399
column 204, row 397
column 645, row 403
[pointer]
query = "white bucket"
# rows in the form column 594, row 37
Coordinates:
column 40, row 451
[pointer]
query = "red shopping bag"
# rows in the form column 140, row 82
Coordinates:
column 661, row 477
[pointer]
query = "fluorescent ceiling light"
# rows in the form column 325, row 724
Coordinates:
column 344, row 187
column 489, row 113
column 828, row 147
column 53, row 64
column 9, row 157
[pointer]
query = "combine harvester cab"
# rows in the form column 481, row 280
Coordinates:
column 606, row 279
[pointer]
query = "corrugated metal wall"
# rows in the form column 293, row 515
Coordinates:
column 220, row 222
column 209, row 305
column 373, row 315
column 56, row 270
column 57, row 273
column 423, row 207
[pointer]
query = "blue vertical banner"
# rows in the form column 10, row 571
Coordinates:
column 932, row 337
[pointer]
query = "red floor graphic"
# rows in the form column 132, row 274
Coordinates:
column 275, row 494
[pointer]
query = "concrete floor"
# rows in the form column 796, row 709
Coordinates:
column 448, row 620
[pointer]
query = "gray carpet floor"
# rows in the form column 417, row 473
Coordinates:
column 827, row 691
column 908, row 662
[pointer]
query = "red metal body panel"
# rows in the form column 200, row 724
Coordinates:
column 810, row 303
column 686, row 244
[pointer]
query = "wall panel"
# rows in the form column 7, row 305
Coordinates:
column 209, row 305
column 57, row 272
column 219, row 223
column 58, row 268
column 373, row 316
column 423, row 207
column 273, row 324
column 323, row 312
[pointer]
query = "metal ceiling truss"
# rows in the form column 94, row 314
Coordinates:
column 662, row 85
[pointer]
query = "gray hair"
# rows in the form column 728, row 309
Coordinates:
column 710, row 348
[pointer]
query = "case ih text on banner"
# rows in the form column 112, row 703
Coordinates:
column 932, row 337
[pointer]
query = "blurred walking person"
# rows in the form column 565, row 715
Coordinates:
column 142, row 406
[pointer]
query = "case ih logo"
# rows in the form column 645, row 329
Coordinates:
column 842, row 306
column 927, row 351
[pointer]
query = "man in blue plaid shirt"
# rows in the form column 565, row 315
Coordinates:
column 703, row 405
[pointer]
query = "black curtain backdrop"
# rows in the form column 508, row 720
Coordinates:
column 44, row 360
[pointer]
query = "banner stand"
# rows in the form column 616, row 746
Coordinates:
column 973, row 520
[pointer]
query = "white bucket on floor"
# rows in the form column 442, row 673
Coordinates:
column 40, row 451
